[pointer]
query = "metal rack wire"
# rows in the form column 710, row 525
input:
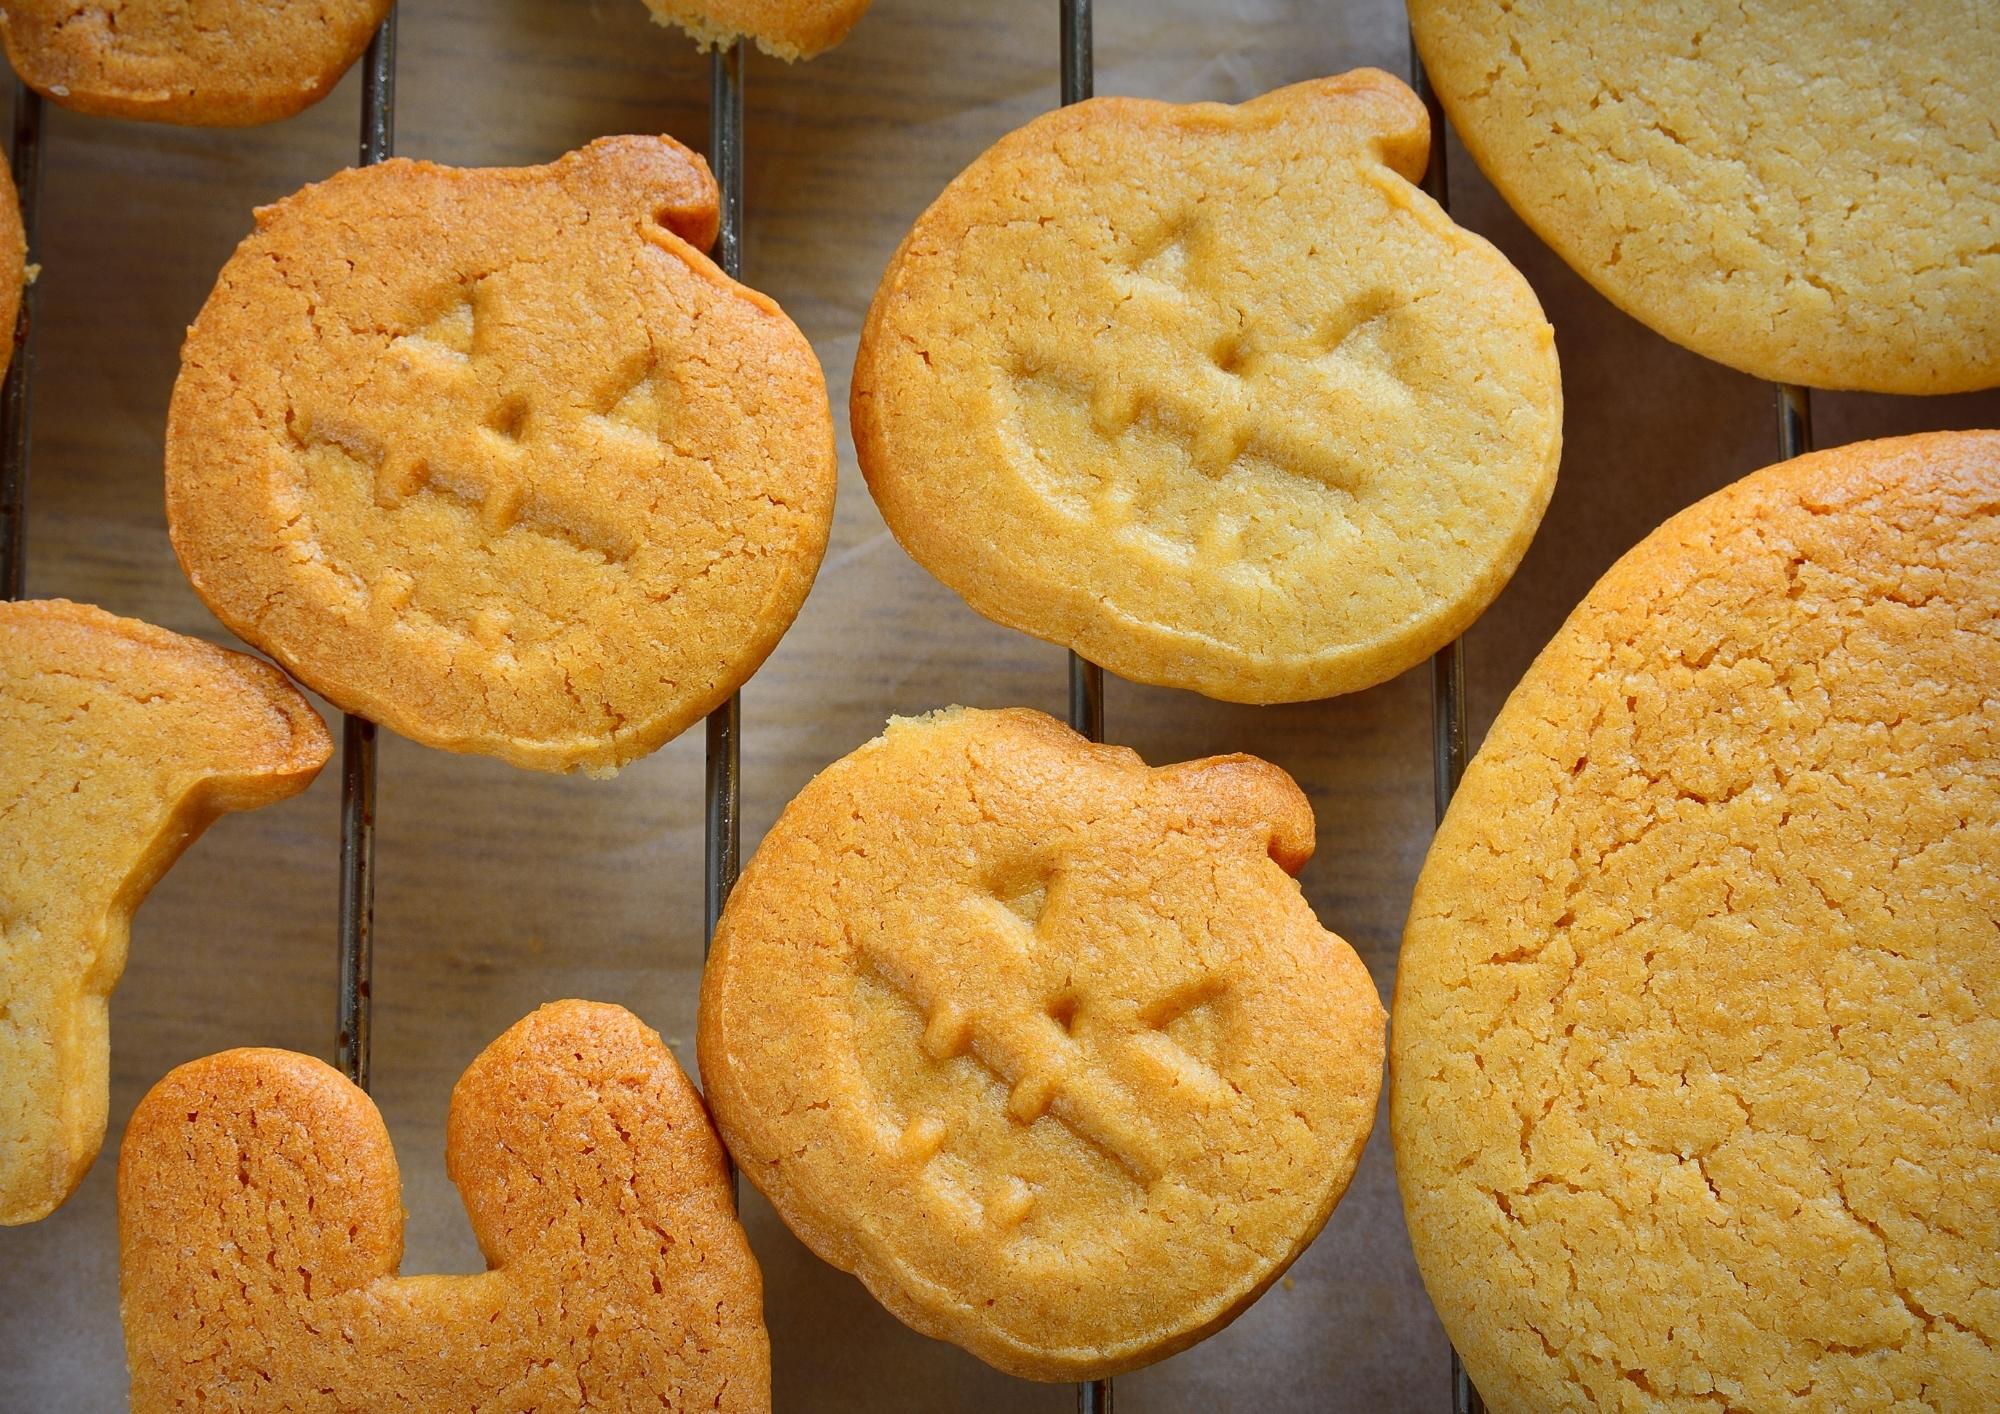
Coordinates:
column 15, row 395
column 355, row 1004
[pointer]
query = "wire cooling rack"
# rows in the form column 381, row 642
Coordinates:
column 722, row 833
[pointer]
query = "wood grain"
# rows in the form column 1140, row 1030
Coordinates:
column 501, row 889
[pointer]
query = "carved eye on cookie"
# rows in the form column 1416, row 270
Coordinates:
column 260, row 1231
column 1214, row 396
column 995, row 1011
column 119, row 744
column 498, row 458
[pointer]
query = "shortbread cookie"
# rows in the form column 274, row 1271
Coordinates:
column 1044, row 1046
column 498, row 458
column 1696, row 1057
column 1212, row 395
column 215, row 63
column 119, row 744
column 260, row 1228
column 1809, row 193
column 789, row 29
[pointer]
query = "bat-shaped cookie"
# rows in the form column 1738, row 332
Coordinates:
column 260, row 1231
column 119, row 743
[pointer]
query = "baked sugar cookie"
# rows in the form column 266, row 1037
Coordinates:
column 213, row 63
column 1044, row 1046
column 788, row 29
column 1212, row 395
column 1696, row 1057
column 1809, row 193
column 260, row 1226
column 119, row 744
column 498, row 458
column 13, row 265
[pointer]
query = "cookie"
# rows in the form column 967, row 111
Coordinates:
column 1805, row 193
column 1695, row 1060
column 1213, row 396
column 119, row 744
column 260, row 1228
column 212, row 63
column 14, row 272
column 498, row 458
column 788, row 29
column 1045, row 1046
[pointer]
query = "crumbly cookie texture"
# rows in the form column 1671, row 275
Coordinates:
column 119, row 744
column 787, row 29
column 260, row 1227
column 1045, row 1046
column 14, row 272
column 211, row 63
column 1212, row 395
column 1696, row 1056
column 1806, row 193
column 498, row 458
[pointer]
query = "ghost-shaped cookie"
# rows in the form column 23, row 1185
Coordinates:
column 498, row 458
column 261, row 1226
column 1214, row 396
column 119, row 744
column 1044, row 1045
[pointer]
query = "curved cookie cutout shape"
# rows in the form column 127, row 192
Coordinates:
column 1805, row 193
column 119, row 744
column 208, row 63
column 1213, row 396
column 786, row 29
column 1043, row 1045
column 1695, row 1061
column 498, row 458
column 260, row 1226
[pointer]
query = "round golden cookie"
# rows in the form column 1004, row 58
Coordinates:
column 1808, row 193
column 1045, row 1046
column 498, row 458
column 1213, row 396
column 788, row 29
column 1696, row 1053
column 213, row 63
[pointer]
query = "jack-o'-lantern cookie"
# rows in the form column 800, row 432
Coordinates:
column 211, row 63
column 1213, row 395
column 1044, row 1045
column 498, row 457
column 1696, row 1060
column 260, row 1228
column 119, row 744
column 788, row 29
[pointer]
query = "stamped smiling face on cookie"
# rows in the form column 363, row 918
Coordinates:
column 1043, row 1045
column 1214, row 396
column 498, row 458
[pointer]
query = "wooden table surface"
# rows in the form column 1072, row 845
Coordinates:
column 500, row 889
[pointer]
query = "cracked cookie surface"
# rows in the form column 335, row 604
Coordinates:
column 498, row 458
column 119, row 744
column 1213, row 395
column 1044, row 1045
column 214, row 63
column 1696, row 1047
column 786, row 29
column 1807, row 193
column 260, row 1229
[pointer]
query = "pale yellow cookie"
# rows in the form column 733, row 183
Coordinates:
column 1043, row 1045
column 1806, row 192
column 498, row 458
column 1213, row 396
column 1696, row 1057
column 213, row 63
column 260, row 1228
column 788, row 29
column 119, row 744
